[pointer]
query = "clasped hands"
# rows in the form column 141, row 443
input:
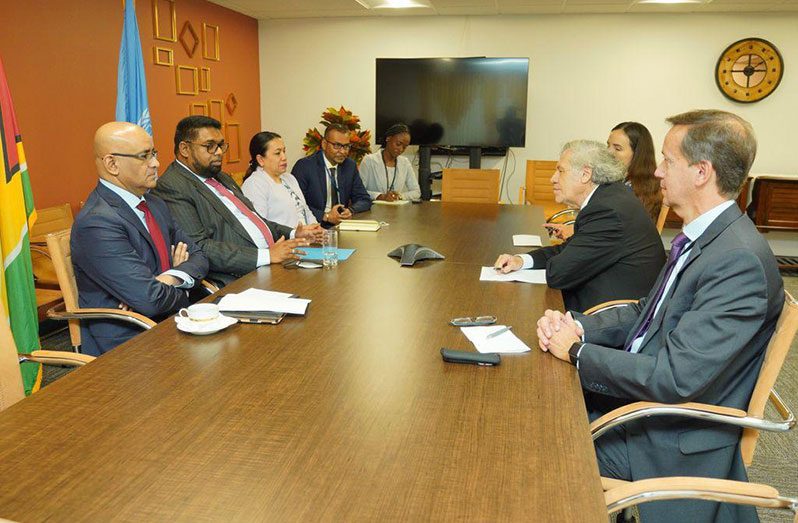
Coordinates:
column 390, row 196
column 557, row 332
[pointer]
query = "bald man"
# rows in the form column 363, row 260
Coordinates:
column 127, row 251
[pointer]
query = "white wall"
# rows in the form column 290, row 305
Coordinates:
column 587, row 72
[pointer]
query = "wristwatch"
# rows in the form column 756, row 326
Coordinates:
column 573, row 352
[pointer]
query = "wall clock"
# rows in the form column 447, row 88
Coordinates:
column 749, row 70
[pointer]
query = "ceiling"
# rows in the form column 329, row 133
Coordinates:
column 285, row 9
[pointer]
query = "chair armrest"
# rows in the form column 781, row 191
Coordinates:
column 210, row 287
column 645, row 409
column 564, row 212
column 722, row 490
column 611, row 483
column 782, row 408
column 608, row 305
column 41, row 249
column 59, row 313
column 57, row 357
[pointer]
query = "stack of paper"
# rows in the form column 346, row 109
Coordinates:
column 395, row 202
column 359, row 225
column 259, row 300
column 527, row 240
column 526, row 276
column 504, row 342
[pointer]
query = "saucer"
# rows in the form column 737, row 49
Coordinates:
column 205, row 327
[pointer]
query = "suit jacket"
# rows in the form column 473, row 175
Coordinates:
column 201, row 214
column 705, row 344
column 615, row 252
column 115, row 262
column 311, row 174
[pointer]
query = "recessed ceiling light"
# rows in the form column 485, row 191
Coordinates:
column 393, row 4
column 671, row 2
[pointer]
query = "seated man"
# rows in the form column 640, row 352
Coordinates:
column 329, row 179
column 615, row 252
column 127, row 251
column 212, row 210
column 701, row 333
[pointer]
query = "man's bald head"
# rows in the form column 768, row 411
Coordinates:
column 121, row 152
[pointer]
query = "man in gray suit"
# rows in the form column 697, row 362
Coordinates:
column 210, row 207
column 701, row 333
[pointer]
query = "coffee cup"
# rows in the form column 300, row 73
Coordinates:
column 200, row 312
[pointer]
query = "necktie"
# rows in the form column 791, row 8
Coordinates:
column 156, row 235
column 677, row 247
column 334, row 187
column 254, row 218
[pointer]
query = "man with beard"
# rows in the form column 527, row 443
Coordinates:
column 212, row 210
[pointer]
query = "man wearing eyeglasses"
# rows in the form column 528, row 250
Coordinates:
column 127, row 251
column 212, row 210
column 329, row 179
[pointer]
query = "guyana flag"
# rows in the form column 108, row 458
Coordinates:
column 16, row 218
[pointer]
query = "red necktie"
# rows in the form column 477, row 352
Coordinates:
column 156, row 235
column 254, row 218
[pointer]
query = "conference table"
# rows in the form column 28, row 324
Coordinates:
column 345, row 414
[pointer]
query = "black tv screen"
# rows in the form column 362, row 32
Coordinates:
column 463, row 102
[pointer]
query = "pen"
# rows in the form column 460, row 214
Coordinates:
column 500, row 331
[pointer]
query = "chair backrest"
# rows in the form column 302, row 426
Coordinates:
column 51, row 219
column 775, row 354
column 663, row 215
column 48, row 219
column 470, row 185
column 11, row 388
column 538, row 186
column 61, row 254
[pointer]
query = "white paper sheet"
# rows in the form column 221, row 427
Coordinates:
column 525, row 276
column 527, row 240
column 260, row 300
column 504, row 342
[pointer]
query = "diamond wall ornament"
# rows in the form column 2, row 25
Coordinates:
column 189, row 39
column 231, row 104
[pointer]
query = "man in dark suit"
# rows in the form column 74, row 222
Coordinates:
column 127, row 251
column 615, row 252
column 212, row 210
column 329, row 179
column 701, row 333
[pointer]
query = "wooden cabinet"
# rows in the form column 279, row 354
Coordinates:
column 774, row 203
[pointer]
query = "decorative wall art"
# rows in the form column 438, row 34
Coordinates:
column 181, row 83
column 164, row 20
column 205, row 79
column 232, row 135
column 163, row 56
column 189, row 39
column 210, row 42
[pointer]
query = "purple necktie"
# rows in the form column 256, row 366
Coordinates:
column 677, row 246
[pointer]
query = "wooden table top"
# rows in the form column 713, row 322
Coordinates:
column 346, row 414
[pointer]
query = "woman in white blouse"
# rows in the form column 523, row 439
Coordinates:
column 387, row 174
column 274, row 192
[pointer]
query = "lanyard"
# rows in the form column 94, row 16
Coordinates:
column 297, row 202
column 395, row 170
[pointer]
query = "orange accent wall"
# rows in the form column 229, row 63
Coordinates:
column 61, row 58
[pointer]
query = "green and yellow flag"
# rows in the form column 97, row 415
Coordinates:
column 17, row 215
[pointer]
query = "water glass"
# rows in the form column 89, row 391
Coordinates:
column 329, row 249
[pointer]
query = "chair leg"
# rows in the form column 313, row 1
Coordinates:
column 626, row 516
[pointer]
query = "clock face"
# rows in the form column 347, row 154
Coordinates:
column 749, row 70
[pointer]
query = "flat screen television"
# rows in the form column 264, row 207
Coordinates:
column 457, row 102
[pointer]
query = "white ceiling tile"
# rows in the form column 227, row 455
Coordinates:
column 475, row 10
column 595, row 8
